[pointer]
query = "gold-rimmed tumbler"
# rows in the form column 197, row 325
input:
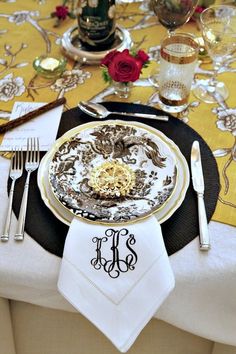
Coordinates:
column 178, row 60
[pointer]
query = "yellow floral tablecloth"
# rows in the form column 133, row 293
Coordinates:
column 27, row 30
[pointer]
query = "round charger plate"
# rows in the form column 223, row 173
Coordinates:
column 72, row 47
column 163, row 210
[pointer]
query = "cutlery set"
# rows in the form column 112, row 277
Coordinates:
column 16, row 170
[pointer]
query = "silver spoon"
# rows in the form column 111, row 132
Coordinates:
column 97, row 110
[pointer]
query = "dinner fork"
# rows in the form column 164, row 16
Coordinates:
column 31, row 164
column 16, row 169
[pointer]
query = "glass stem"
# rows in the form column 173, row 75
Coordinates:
column 216, row 67
column 170, row 32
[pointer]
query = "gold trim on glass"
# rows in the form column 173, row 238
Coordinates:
column 174, row 103
column 173, row 54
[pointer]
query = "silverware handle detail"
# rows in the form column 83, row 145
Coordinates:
column 19, row 235
column 142, row 115
column 203, row 227
column 5, row 234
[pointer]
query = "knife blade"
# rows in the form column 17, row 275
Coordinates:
column 199, row 187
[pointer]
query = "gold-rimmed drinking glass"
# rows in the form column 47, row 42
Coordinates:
column 178, row 60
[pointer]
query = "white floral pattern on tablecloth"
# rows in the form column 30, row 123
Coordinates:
column 11, row 87
column 36, row 35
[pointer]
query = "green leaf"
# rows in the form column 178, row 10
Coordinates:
column 145, row 65
column 71, row 15
column 106, row 76
column 133, row 52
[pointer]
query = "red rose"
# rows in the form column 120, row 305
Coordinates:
column 125, row 52
column 142, row 56
column 199, row 9
column 197, row 13
column 139, row 63
column 109, row 57
column 124, row 67
column 61, row 12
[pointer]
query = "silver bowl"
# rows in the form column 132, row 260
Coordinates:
column 72, row 47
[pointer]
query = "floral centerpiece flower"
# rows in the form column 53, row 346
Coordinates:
column 201, row 6
column 63, row 11
column 123, row 67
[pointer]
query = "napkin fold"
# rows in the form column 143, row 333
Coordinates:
column 116, row 276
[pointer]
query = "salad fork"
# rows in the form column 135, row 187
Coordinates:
column 16, row 169
column 31, row 164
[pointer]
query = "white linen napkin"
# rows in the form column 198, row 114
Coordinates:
column 116, row 276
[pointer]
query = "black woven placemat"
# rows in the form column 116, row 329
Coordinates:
column 178, row 231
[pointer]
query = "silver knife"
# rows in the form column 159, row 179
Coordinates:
column 198, row 186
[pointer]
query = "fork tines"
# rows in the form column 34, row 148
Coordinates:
column 32, row 153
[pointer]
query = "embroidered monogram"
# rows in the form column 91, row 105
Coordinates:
column 116, row 265
column 99, row 261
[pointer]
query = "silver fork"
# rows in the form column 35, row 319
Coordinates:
column 31, row 164
column 16, row 169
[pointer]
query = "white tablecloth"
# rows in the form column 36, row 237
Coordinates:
column 203, row 301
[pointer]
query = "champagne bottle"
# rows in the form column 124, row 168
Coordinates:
column 96, row 21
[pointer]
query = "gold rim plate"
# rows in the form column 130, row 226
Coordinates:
column 162, row 213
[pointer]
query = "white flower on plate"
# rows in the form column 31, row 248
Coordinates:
column 11, row 87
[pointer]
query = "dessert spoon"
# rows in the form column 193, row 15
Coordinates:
column 97, row 110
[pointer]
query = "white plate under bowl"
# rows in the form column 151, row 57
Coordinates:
column 64, row 215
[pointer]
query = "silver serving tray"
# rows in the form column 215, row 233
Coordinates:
column 72, row 48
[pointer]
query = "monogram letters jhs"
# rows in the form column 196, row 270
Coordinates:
column 114, row 266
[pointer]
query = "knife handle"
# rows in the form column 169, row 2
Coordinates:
column 203, row 226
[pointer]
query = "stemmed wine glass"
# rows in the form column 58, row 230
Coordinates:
column 218, row 25
column 173, row 13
